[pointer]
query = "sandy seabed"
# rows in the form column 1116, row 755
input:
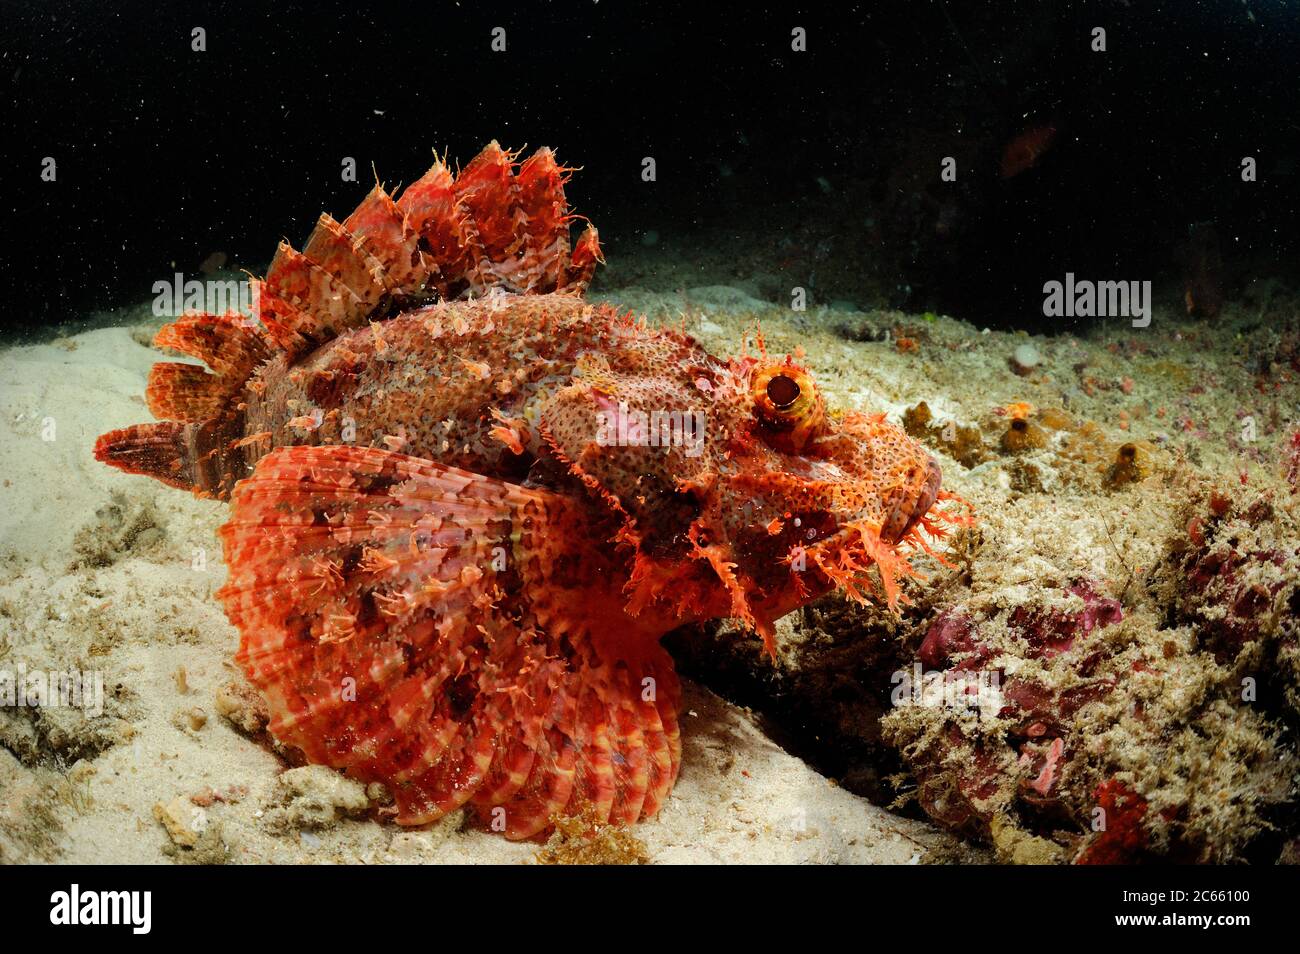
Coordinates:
column 114, row 575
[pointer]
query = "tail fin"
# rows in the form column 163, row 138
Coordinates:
column 156, row 450
column 496, row 225
column 203, row 457
column 196, row 447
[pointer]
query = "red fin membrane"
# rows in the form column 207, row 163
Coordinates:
column 325, row 306
column 228, row 344
column 492, row 227
column 540, row 188
column 381, row 230
column 486, row 188
column 384, row 604
column 194, row 456
column 582, row 266
column 431, row 208
column 334, row 249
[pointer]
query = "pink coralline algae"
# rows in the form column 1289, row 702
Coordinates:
column 1291, row 461
column 1123, row 735
column 1124, row 836
column 1029, row 755
column 1238, row 578
column 1049, row 632
column 1230, row 595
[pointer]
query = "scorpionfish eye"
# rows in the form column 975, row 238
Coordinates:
column 788, row 406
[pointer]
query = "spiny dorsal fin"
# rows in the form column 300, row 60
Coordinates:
column 490, row 228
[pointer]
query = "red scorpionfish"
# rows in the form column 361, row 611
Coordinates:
column 466, row 504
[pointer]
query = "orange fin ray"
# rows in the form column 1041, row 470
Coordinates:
column 229, row 344
column 381, row 230
column 184, row 392
column 334, row 249
column 323, row 306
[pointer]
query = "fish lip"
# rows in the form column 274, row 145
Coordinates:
column 904, row 516
column 907, row 512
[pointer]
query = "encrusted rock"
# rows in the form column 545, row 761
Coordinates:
column 181, row 819
column 314, row 797
column 240, row 705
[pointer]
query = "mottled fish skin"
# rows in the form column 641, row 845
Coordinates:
column 440, row 382
column 510, row 386
column 459, row 528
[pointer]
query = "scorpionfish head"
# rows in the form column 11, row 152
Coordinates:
column 744, row 495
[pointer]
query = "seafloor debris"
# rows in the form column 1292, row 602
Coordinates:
column 240, row 705
column 314, row 797
column 1066, row 451
column 1131, row 465
column 181, row 819
column 120, row 527
column 1025, row 360
column 962, row 442
column 581, row 841
column 1022, row 435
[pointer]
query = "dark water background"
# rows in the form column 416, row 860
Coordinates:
column 167, row 155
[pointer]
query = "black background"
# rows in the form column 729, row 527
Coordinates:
column 166, row 155
column 919, row 906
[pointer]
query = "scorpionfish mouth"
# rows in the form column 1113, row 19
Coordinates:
column 909, row 509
